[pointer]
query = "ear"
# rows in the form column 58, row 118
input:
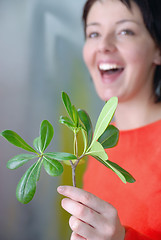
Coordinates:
column 157, row 57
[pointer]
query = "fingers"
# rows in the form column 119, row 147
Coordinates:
column 92, row 218
column 81, row 211
column 75, row 236
column 81, row 230
column 85, row 198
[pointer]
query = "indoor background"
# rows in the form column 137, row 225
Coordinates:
column 40, row 56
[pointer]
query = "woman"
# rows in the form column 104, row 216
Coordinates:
column 122, row 52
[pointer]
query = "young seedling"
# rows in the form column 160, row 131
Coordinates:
column 95, row 142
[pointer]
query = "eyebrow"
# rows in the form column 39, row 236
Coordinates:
column 127, row 20
column 92, row 24
column 118, row 22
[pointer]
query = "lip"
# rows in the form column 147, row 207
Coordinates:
column 110, row 77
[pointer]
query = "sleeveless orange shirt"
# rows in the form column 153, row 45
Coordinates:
column 138, row 204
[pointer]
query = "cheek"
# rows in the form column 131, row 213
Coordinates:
column 140, row 55
column 133, row 56
column 87, row 55
column 84, row 54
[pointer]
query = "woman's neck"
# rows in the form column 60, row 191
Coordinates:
column 134, row 114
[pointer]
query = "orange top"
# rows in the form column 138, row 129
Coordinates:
column 138, row 204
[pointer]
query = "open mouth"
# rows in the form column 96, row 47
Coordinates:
column 107, row 69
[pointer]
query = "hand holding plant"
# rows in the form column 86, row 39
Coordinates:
column 104, row 136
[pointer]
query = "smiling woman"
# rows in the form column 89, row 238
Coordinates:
column 119, row 43
column 122, row 52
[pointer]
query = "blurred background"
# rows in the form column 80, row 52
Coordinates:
column 40, row 56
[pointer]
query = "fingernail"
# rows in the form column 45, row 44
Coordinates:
column 60, row 189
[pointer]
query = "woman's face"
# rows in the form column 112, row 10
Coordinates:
column 119, row 52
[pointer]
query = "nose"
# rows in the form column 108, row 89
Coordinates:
column 107, row 44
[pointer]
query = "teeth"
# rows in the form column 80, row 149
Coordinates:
column 107, row 66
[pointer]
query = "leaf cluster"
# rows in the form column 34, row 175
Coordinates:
column 104, row 136
column 51, row 161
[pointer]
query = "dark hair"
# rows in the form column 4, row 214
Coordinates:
column 151, row 12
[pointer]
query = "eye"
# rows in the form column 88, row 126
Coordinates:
column 127, row 32
column 93, row 35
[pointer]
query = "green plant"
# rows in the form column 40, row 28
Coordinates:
column 104, row 136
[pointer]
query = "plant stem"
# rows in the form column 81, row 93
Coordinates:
column 73, row 173
column 75, row 144
column 73, row 176
column 74, row 165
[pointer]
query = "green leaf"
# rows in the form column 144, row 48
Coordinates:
column 84, row 117
column 129, row 178
column 19, row 160
column 39, row 171
column 36, row 144
column 105, row 117
column 98, row 151
column 115, row 170
column 16, row 140
column 110, row 137
column 52, row 167
column 26, row 188
column 67, row 104
column 66, row 121
column 84, row 140
column 75, row 116
column 120, row 172
column 46, row 134
column 60, row 156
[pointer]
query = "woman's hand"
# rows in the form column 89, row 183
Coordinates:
column 92, row 218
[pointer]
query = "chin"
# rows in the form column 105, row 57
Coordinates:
column 106, row 95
